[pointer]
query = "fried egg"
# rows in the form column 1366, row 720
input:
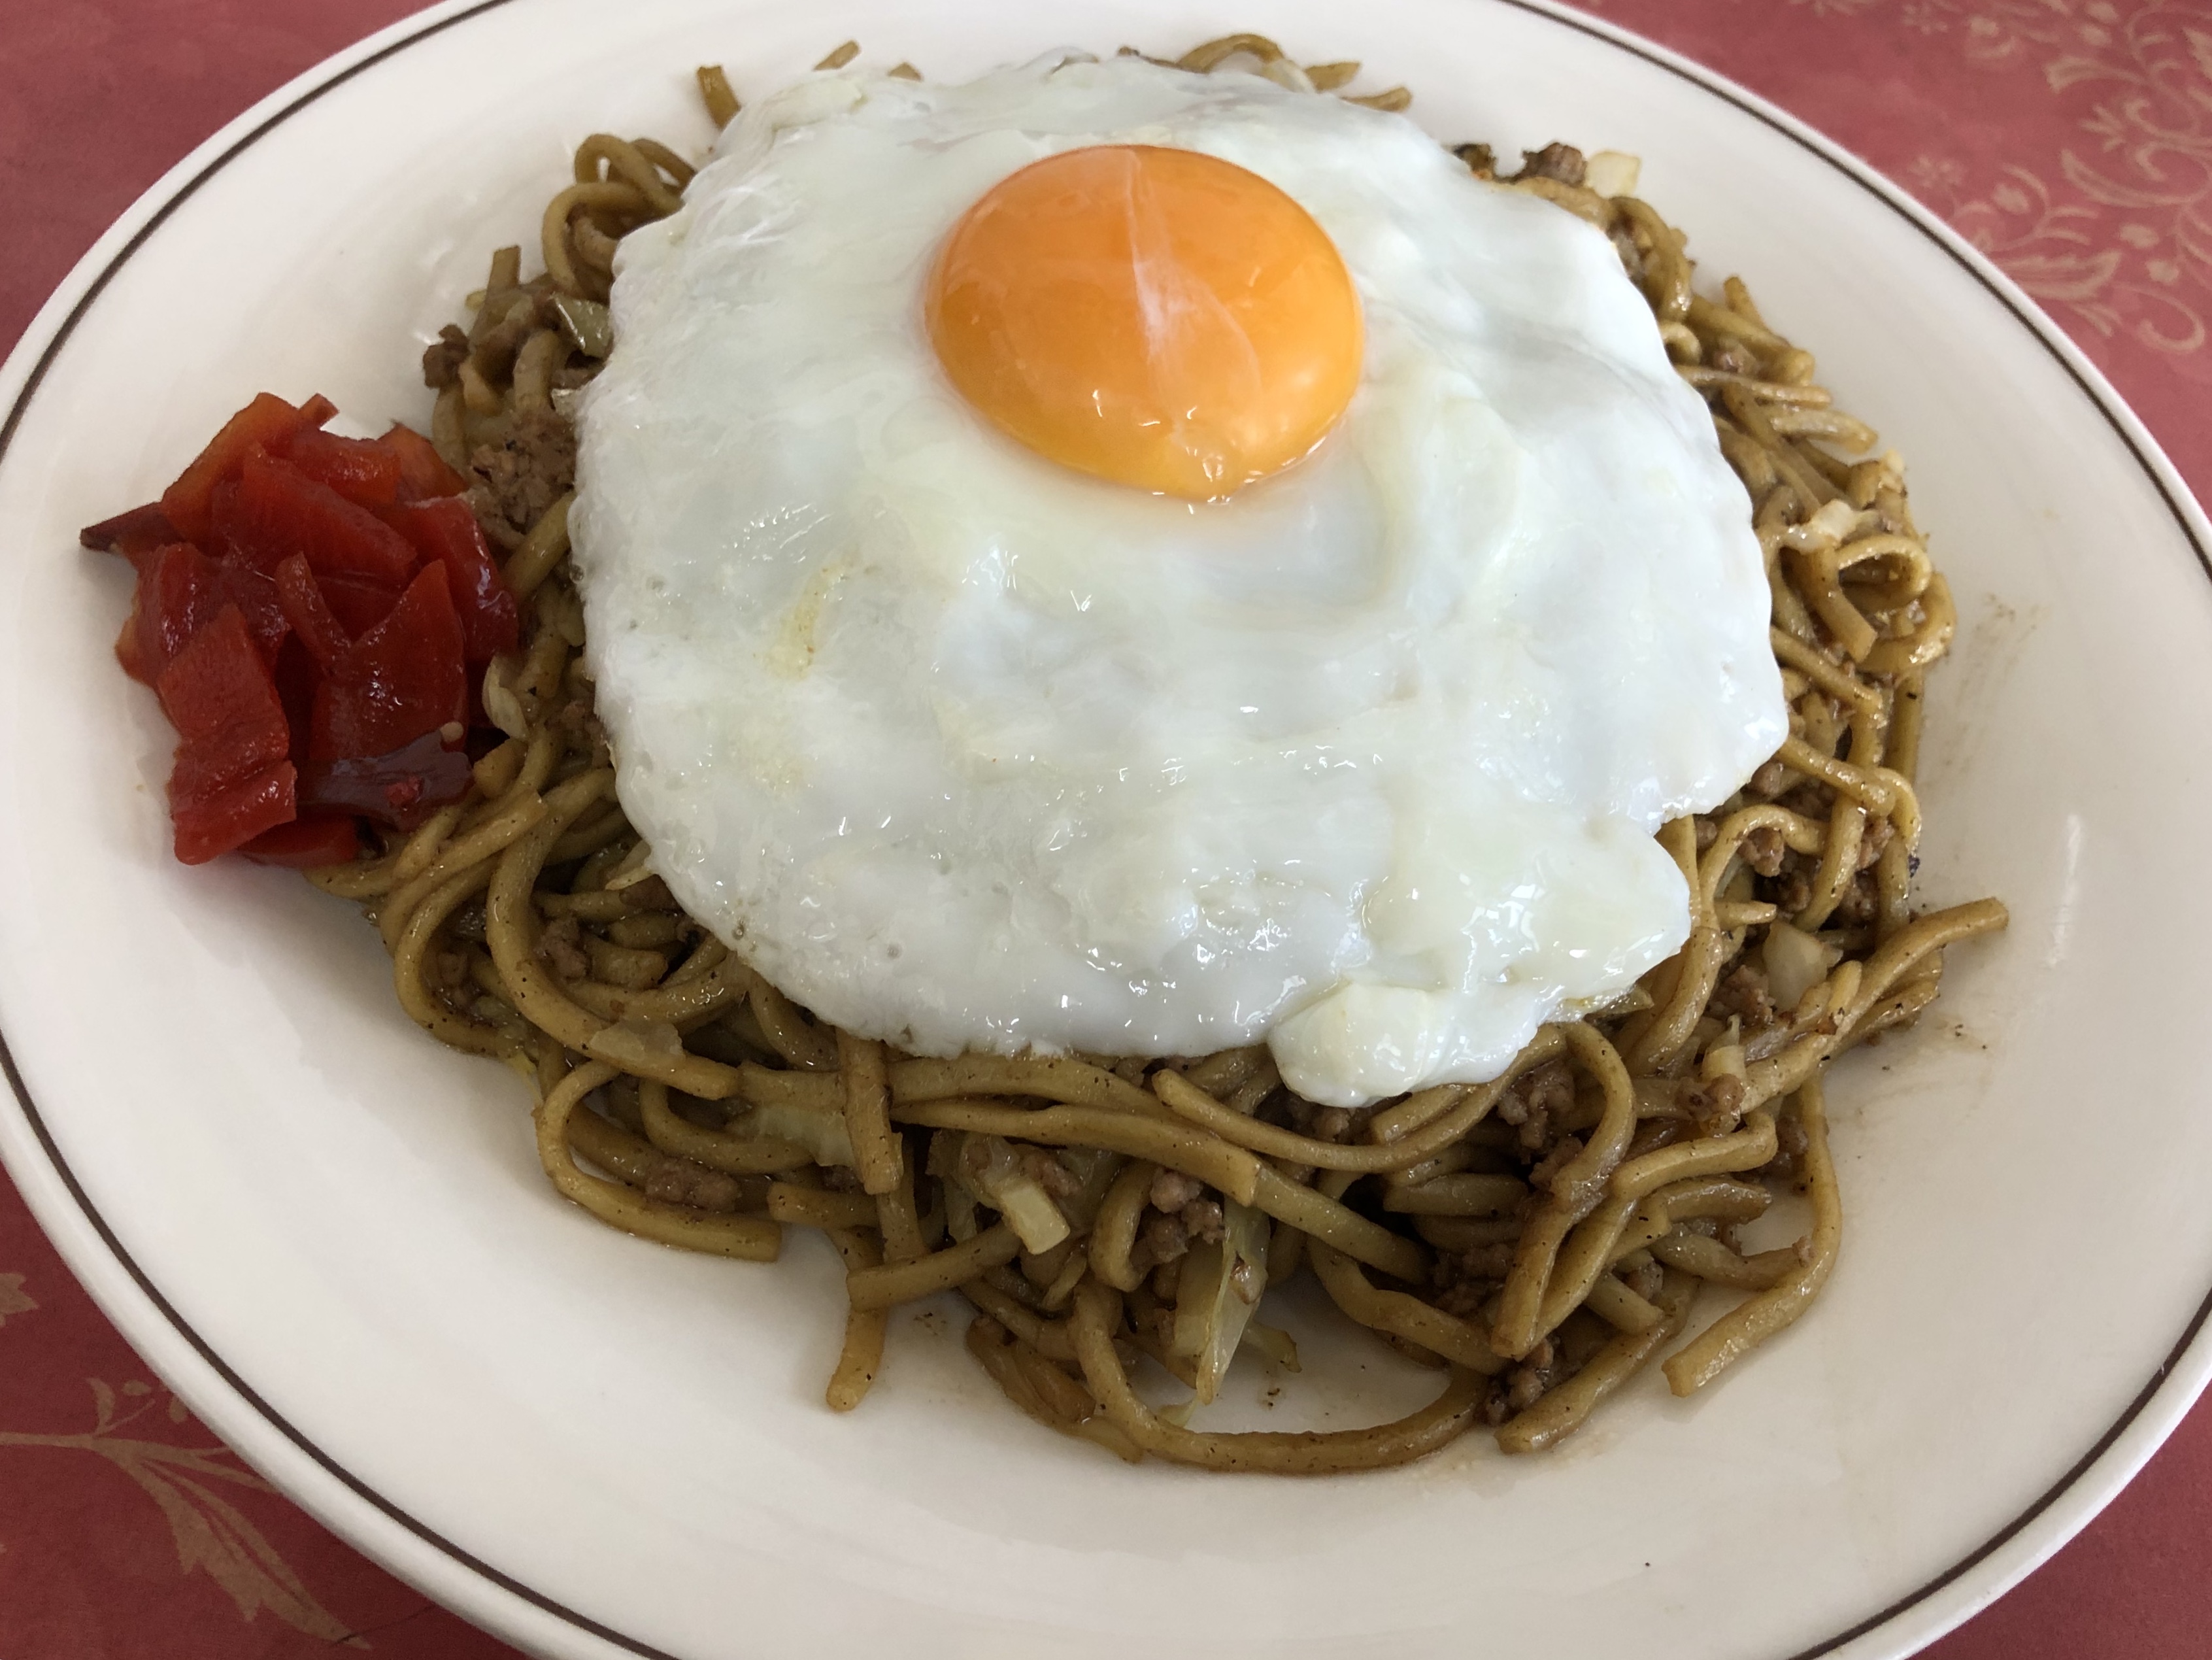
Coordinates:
column 1103, row 558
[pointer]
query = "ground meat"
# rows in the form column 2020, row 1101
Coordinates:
column 651, row 894
column 1327, row 1123
column 1769, row 781
column 1743, row 993
column 1720, row 1108
column 1554, row 1162
column 1158, row 1323
column 1561, row 161
column 1464, row 1299
column 1764, row 850
column 449, row 969
column 1202, row 1220
column 680, row 1182
column 1788, row 1165
column 840, row 1179
column 557, row 948
column 443, row 357
column 1163, row 1239
column 1550, row 1088
column 1526, row 1383
column 578, row 721
column 527, row 473
column 1480, row 159
column 1049, row 1173
column 1860, row 901
column 1708, row 832
column 1482, row 1265
column 1331, row 1123
column 1880, row 832
column 1535, row 1101
column 1793, row 888
column 1171, row 1190
column 485, row 503
column 1809, row 797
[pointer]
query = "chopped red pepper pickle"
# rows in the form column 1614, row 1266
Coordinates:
column 422, row 472
column 309, row 613
column 175, row 598
column 402, row 678
column 280, row 511
column 311, row 839
column 447, row 531
column 362, row 470
column 309, row 608
column 266, row 423
column 134, row 534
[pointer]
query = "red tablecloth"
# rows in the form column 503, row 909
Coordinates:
column 2071, row 139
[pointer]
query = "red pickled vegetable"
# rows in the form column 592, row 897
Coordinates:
column 254, row 593
column 267, row 423
column 221, row 821
column 447, row 531
column 309, row 613
column 311, row 839
column 233, row 773
column 126, row 648
column 306, row 609
column 296, row 677
column 358, row 606
column 401, row 789
column 279, row 511
column 362, row 470
column 422, row 472
column 134, row 534
column 221, row 699
column 401, row 679
column 174, row 598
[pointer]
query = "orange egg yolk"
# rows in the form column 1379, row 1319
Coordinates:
column 1156, row 317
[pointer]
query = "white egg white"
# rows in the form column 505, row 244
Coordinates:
column 964, row 750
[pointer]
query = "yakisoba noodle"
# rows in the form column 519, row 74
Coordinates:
column 1539, row 1239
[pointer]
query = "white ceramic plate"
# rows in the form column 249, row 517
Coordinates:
column 330, row 1236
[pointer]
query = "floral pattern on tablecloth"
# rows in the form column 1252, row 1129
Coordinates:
column 185, row 1482
column 128, row 1532
column 2068, row 140
column 2114, row 231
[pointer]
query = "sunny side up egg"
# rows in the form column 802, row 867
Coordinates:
column 940, row 694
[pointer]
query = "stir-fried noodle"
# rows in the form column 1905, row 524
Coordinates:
column 1539, row 1239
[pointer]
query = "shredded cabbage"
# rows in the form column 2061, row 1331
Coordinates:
column 1221, row 1285
column 1795, row 963
column 822, row 1134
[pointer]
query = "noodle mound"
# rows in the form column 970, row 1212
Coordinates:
column 1539, row 1239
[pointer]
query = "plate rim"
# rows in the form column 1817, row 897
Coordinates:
column 514, row 1610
